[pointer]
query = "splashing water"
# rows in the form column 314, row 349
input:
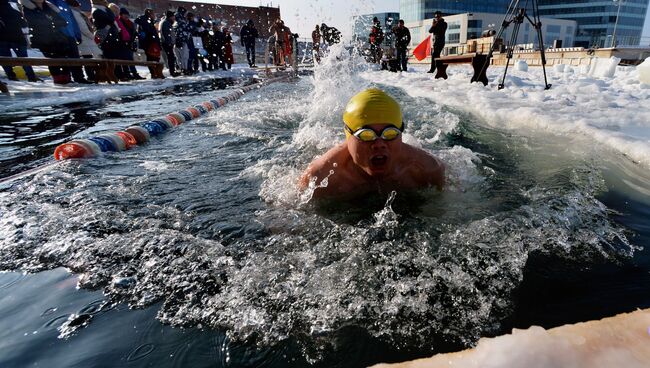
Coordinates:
column 221, row 235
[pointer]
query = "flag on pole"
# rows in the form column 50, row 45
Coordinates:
column 423, row 49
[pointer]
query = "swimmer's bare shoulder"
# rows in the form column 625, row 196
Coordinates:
column 423, row 168
column 320, row 168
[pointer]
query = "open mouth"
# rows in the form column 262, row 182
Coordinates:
column 378, row 161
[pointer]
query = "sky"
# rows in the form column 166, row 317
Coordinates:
column 302, row 15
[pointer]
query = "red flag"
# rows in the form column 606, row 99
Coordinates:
column 423, row 50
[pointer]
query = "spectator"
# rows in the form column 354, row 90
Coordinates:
column 47, row 35
column 183, row 35
column 107, row 35
column 73, row 33
column 402, row 41
column 148, row 36
column 192, row 61
column 168, row 40
column 248, row 34
column 315, row 39
column 376, row 39
column 438, row 30
column 88, row 49
column 216, row 41
column 228, row 58
column 331, row 35
column 288, row 43
column 14, row 34
column 278, row 30
column 128, row 33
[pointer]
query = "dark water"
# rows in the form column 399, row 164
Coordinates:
column 202, row 229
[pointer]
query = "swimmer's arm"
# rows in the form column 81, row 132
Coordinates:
column 320, row 167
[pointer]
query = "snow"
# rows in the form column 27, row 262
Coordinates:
column 26, row 95
column 608, row 106
column 644, row 71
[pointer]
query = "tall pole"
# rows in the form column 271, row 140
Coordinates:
column 616, row 23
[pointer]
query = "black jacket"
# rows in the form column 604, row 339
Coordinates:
column 438, row 30
column 46, row 26
column 402, row 37
column 147, row 33
column 12, row 23
column 216, row 40
column 248, row 35
column 104, row 21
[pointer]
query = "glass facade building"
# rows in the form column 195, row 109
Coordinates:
column 597, row 20
column 416, row 10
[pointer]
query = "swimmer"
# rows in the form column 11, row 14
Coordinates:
column 373, row 157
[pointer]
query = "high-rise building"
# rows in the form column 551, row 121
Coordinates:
column 601, row 23
column 416, row 10
column 598, row 23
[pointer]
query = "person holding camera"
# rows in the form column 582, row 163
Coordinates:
column 437, row 30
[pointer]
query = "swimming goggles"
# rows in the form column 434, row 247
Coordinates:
column 370, row 135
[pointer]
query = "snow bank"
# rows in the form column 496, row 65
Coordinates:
column 620, row 341
column 610, row 112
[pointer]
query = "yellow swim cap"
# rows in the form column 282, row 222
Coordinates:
column 372, row 106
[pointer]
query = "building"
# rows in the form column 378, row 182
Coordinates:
column 233, row 16
column 417, row 10
column 598, row 22
column 363, row 23
column 463, row 27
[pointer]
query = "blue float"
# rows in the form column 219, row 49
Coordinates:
column 201, row 109
column 168, row 125
column 104, row 144
column 153, row 128
column 186, row 114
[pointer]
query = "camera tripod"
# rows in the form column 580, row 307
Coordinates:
column 515, row 16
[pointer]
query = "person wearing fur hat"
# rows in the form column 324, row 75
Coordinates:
column 46, row 32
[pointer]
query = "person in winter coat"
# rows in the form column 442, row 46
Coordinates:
column 129, row 38
column 13, row 36
column 438, row 30
column 168, row 40
column 376, row 38
column 46, row 31
column 107, row 35
column 183, row 34
column 402, row 41
column 73, row 32
column 88, row 49
column 315, row 39
column 228, row 57
column 248, row 34
column 148, row 36
column 216, row 41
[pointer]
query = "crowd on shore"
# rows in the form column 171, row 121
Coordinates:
column 60, row 29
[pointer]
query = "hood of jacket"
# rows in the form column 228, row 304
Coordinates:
column 29, row 4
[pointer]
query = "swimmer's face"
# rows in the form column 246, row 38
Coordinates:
column 376, row 158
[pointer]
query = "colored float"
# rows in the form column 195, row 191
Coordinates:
column 141, row 133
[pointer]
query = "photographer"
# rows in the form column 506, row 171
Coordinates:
column 437, row 30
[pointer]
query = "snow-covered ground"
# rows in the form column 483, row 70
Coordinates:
column 25, row 95
column 612, row 111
